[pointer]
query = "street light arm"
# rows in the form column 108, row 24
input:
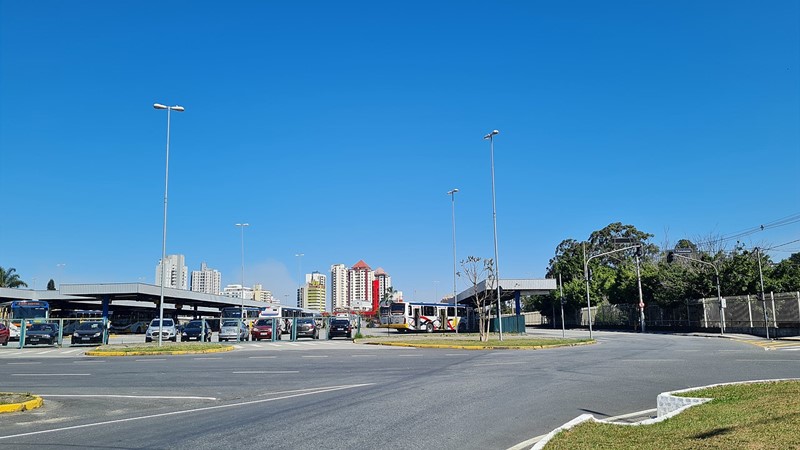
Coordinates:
column 698, row 261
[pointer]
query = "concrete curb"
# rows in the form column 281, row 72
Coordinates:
column 175, row 352
column 669, row 405
column 36, row 402
column 473, row 347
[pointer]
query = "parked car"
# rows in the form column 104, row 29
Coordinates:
column 307, row 327
column 5, row 334
column 231, row 328
column 340, row 327
column 168, row 331
column 262, row 329
column 199, row 330
column 42, row 333
column 88, row 333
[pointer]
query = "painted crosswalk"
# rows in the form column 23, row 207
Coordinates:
column 774, row 344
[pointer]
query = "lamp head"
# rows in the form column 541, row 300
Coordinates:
column 453, row 191
column 182, row 109
column 489, row 136
column 159, row 106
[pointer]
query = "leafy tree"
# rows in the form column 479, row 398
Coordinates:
column 786, row 274
column 51, row 285
column 9, row 279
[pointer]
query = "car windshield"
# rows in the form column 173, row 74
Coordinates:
column 91, row 326
column 340, row 323
column 194, row 324
column 167, row 323
column 230, row 323
column 263, row 322
column 305, row 320
column 42, row 327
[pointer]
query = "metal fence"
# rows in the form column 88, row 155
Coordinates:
column 740, row 314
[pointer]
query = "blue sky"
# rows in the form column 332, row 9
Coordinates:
column 336, row 128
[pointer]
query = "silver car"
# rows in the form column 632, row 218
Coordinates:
column 168, row 331
column 231, row 328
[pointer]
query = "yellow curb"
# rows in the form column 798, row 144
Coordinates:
column 482, row 347
column 36, row 402
column 175, row 352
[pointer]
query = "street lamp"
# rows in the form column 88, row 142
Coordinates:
column 452, row 194
column 299, row 281
column 586, row 277
column 490, row 137
column 164, row 235
column 679, row 252
column 241, row 226
column 763, row 297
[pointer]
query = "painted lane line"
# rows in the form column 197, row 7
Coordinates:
column 46, row 351
column 768, row 360
column 314, row 356
column 293, row 345
column 189, row 411
column 90, row 361
column 261, row 357
column 241, row 372
column 362, row 356
column 70, row 351
column 51, row 374
column 158, row 397
column 275, row 345
column 208, row 357
column 21, row 363
column 151, row 359
column 409, row 355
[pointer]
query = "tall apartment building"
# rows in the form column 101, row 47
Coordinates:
column 339, row 287
column 177, row 274
column 359, row 287
column 261, row 295
column 313, row 292
column 208, row 281
column 384, row 282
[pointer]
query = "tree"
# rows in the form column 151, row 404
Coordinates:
column 51, row 285
column 9, row 279
column 477, row 269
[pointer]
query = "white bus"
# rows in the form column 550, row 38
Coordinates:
column 428, row 317
column 287, row 313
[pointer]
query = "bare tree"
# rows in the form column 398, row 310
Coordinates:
column 477, row 269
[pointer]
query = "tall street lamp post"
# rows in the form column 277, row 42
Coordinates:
column 241, row 226
column 299, row 281
column 164, row 235
column 685, row 254
column 763, row 297
column 490, row 137
column 452, row 194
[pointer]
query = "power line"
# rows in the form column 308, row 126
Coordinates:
column 788, row 220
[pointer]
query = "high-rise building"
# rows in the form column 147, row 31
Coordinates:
column 384, row 282
column 359, row 286
column 260, row 295
column 206, row 280
column 177, row 274
column 313, row 292
column 339, row 287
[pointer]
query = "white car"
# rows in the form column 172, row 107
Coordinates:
column 231, row 328
column 168, row 331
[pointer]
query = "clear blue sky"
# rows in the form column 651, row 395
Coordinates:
column 336, row 128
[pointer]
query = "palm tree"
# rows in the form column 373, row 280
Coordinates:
column 10, row 279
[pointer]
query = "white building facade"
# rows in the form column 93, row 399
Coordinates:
column 339, row 287
column 314, row 292
column 177, row 274
column 238, row 291
column 208, row 281
column 359, row 287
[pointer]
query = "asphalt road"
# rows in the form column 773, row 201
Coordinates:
column 336, row 394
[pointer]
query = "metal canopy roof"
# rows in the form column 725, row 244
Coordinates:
column 509, row 288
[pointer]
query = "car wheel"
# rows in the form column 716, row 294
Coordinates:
column 5, row 343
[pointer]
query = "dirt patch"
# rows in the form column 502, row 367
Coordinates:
column 7, row 398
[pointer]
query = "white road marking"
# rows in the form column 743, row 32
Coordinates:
column 212, row 357
column 21, row 363
column 359, row 356
column 240, row 372
column 71, row 351
column 188, row 411
column 50, row 374
column 90, row 361
column 314, row 356
column 150, row 359
column 261, row 357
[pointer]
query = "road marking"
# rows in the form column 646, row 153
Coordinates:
column 46, row 351
column 24, row 363
column 651, row 360
column 129, row 396
column 314, row 356
column 359, row 356
column 509, row 363
column 71, row 351
column 212, row 357
column 50, row 374
column 189, row 411
column 89, row 361
column 768, row 360
column 260, row 357
column 408, row 355
column 293, row 345
column 150, row 359
column 275, row 345
column 241, row 372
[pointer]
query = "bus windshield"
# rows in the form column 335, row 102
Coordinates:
column 31, row 309
column 398, row 308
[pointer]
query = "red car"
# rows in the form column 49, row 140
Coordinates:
column 262, row 329
column 4, row 334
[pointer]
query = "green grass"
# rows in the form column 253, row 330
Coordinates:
column 473, row 340
column 745, row 416
column 197, row 347
column 7, row 398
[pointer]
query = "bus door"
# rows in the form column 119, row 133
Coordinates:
column 415, row 310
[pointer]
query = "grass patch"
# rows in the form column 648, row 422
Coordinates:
column 198, row 347
column 7, row 398
column 473, row 340
column 744, row 416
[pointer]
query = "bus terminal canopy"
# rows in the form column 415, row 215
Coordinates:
column 130, row 295
column 510, row 289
